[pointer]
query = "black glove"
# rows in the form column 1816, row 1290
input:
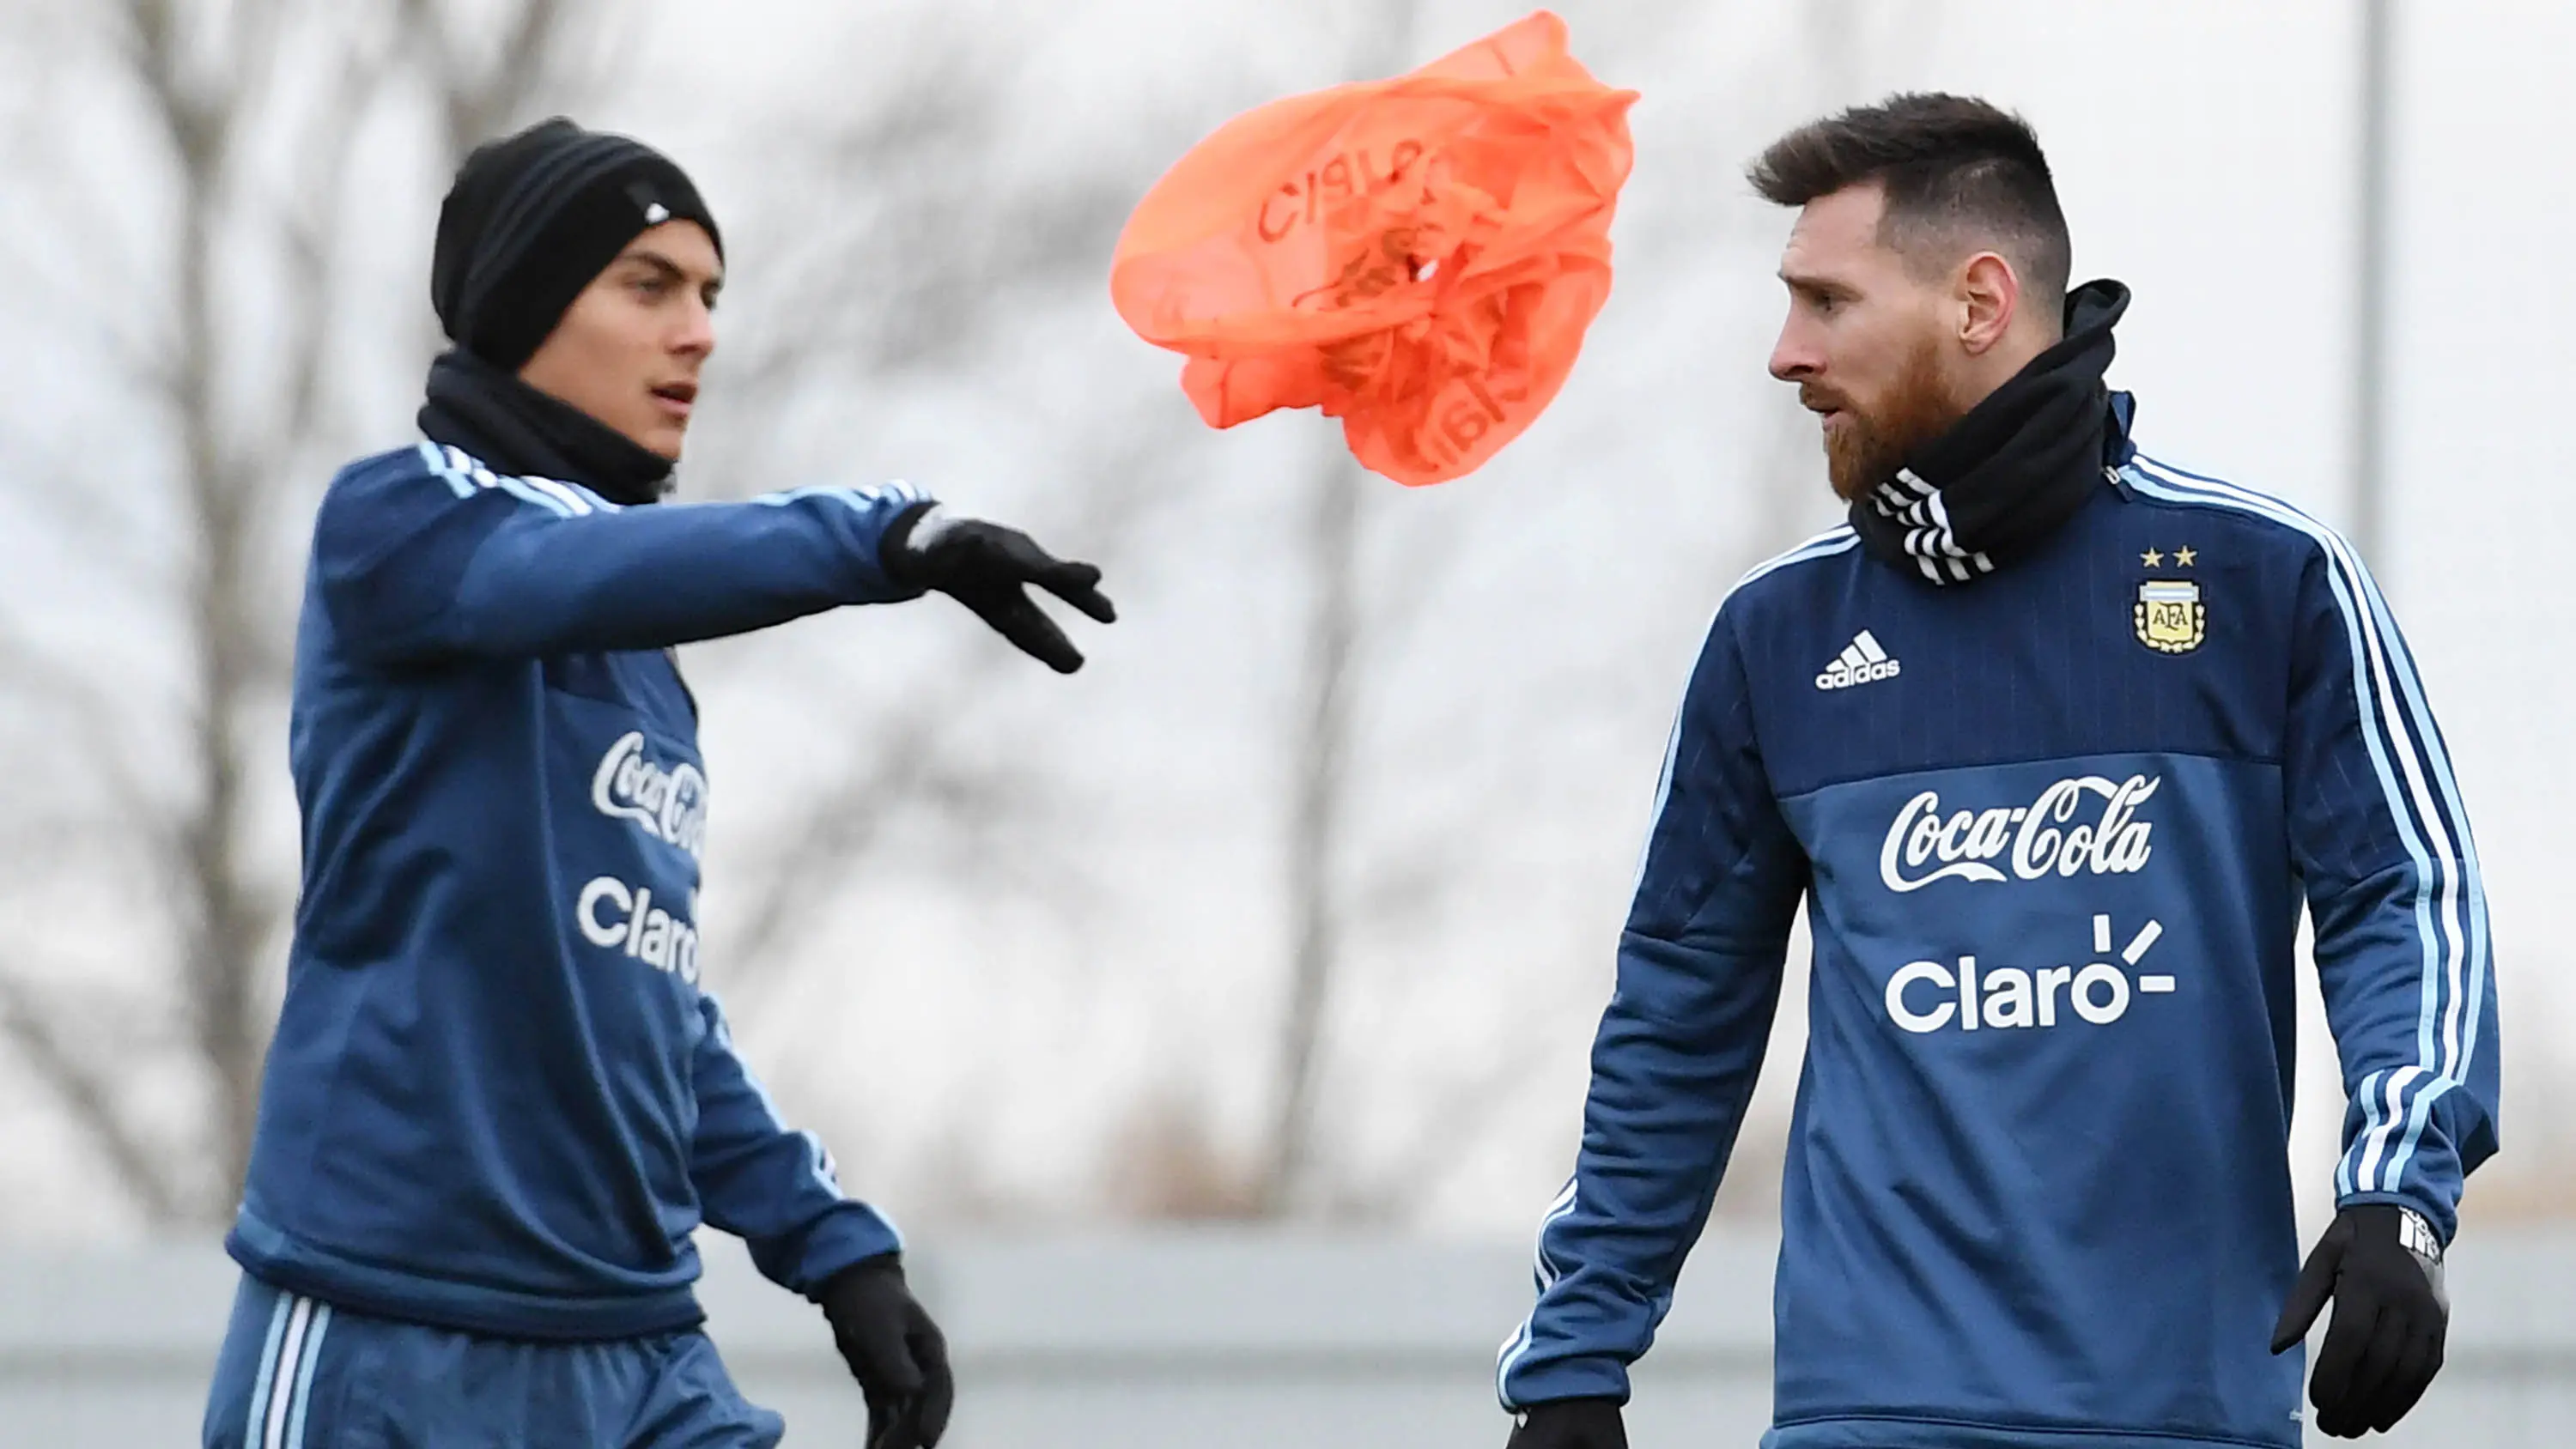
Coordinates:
column 987, row 568
column 2383, row 1267
column 1570, row 1424
column 895, row 1352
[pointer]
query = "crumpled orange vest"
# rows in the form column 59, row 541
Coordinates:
column 1418, row 257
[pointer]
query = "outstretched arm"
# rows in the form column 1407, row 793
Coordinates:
column 427, row 555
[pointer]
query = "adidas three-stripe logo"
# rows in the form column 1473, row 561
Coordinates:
column 1861, row 662
column 285, row 1384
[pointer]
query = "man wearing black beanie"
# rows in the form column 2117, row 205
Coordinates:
column 501, row 1098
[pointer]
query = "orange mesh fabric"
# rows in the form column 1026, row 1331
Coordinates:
column 1418, row 257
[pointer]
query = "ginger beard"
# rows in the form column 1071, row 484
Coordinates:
column 1868, row 445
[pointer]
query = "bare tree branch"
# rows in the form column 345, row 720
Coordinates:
column 310, row 215
column 1319, row 810
column 481, row 95
column 66, row 502
column 37, row 1029
column 98, row 735
column 243, row 409
column 1344, row 648
column 844, row 822
column 1317, row 821
column 1447, row 1129
column 903, row 255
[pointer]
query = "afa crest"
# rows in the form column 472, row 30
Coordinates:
column 2170, row 617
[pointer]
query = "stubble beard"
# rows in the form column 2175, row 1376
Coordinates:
column 1871, row 446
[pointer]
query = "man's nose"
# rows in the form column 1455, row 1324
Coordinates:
column 697, row 334
column 1794, row 357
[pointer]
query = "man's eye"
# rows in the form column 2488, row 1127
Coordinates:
column 651, row 286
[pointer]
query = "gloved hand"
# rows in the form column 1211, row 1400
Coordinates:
column 2383, row 1267
column 987, row 567
column 895, row 1352
column 1570, row 1424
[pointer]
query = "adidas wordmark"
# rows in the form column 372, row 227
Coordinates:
column 1861, row 662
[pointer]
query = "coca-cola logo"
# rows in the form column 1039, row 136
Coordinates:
column 2044, row 838
column 667, row 803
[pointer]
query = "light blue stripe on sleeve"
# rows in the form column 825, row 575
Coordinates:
column 2405, row 731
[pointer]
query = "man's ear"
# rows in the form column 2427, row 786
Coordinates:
column 1989, row 298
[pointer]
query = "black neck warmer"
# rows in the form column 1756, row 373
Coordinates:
column 2011, row 472
column 514, row 428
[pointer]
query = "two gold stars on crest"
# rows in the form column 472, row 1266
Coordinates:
column 2183, row 558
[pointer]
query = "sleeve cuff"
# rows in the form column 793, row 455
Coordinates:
column 894, row 546
column 850, row 1232
column 1590, row 1376
column 2442, row 1217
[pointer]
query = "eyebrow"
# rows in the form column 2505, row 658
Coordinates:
column 668, row 268
column 1811, row 282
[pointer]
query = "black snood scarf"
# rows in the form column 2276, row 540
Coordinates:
column 516, row 429
column 529, row 222
column 2011, row 472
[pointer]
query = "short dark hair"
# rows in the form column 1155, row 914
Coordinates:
column 1956, row 172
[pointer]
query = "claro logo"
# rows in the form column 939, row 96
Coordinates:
column 1928, row 996
column 623, row 918
column 667, row 803
column 2044, row 838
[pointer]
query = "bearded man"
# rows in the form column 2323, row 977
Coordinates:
column 2054, row 742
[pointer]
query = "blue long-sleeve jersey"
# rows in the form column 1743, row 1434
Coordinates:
column 2054, row 832
column 500, row 1098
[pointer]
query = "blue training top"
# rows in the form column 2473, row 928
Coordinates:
column 499, row 1098
column 2053, row 832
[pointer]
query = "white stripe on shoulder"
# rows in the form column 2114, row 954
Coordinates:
column 1838, row 539
column 2401, row 730
column 446, row 472
column 465, row 475
column 1832, row 541
column 581, row 499
column 486, row 476
column 863, row 500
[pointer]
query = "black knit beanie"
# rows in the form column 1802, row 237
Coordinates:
column 533, row 218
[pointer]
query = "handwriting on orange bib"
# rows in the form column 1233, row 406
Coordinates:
column 1419, row 257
